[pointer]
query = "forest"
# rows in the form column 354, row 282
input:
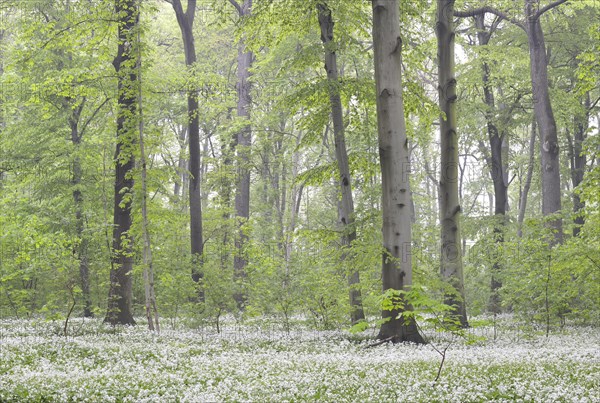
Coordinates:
column 299, row 200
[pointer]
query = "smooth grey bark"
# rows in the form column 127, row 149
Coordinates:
column 120, row 293
column 396, row 267
column 451, row 265
column 242, row 144
column 527, row 186
column 186, row 25
column 551, row 190
column 346, row 210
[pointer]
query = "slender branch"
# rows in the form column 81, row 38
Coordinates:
column 594, row 104
column 548, row 7
column 495, row 24
column 237, row 7
column 87, row 122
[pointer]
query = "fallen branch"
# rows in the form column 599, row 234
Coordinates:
column 380, row 342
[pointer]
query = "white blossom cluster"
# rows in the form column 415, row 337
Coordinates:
column 249, row 364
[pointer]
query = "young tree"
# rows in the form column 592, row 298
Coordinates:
column 341, row 154
column 395, row 168
column 186, row 25
column 120, row 293
column 450, row 210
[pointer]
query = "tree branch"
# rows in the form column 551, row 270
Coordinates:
column 548, row 7
column 592, row 106
column 87, row 122
column 237, row 7
column 491, row 10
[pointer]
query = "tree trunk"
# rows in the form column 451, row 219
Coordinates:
column 186, row 24
column 525, row 192
column 395, row 168
column 84, row 270
column 347, row 204
column 496, row 164
column 242, row 192
column 551, row 190
column 451, row 267
column 578, row 162
column 120, row 294
column 149, row 292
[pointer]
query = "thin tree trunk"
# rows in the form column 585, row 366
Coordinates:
column 244, row 139
column 84, row 271
column 149, row 293
column 396, row 267
column 451, row 267
column 186, row 24
column 527, row 186
column 347, row 204
column 120, row 293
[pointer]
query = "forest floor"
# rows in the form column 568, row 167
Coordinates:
column 97, row 363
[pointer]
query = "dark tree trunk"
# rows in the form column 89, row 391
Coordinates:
column 395, row 168
column 120, row 293
column 186, row 24
column 551, row 190
column 347, row 204
column 496, row 166
column 243, row 142
column 451, row 267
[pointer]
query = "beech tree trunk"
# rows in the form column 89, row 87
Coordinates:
column 578, row 162
column 346, row 212
column 496, row 165
column 243, row 141
column 84, row 270
column 551, row 190
column 451, row 267
column 186, row 24
column 120, row 293
column 525, row 192
column 395, row 168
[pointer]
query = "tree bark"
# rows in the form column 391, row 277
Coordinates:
column 149, row 292
column 341, row 154
column 451, row 266
column 186, row 24
column 120, row 293
column 551, row 190
column 395, row 168
column 525, row 192
column 578, row 162
column 243, row 143
column 496, row 164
